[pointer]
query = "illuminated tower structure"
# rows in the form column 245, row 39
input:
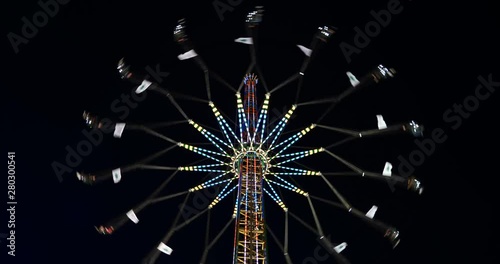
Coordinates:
column 250, row 239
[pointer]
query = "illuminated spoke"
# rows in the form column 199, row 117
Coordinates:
column 244, row 125
column 223, row 193
column 223, row 124
column 281, row 125
column 299, row 155
column 204, row 185
column 262, row 118
column 275, row 196
column 203, row 152
column 208, row 135
column 294, row 138
column 290, row 187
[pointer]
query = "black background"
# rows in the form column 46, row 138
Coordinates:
column 438, row 49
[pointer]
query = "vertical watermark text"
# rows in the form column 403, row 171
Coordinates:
column 11, row 203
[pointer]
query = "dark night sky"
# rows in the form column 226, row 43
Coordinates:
column 439, row 51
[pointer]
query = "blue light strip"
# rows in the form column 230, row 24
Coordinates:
column 245, row 237
column 262, row 117
column 297, row 173
column 299, row 155
column 283, row 120
column 246, row 199
column 287, row 116
column 286, row 182
column 255, row 189
column 272, row 189
column 223, row 128
column 241, row 114
column 217, row 177
column 203, row 152
column 228, row 192
column 294, row 139
column 196, row 168
column 290, row 168
column 296, row 190
column 245, row 121
column 223, row 124
column 280, row 125
column 282, row 185
column 271, row 195
column 204, row 185
column 239, row 104
column 264, row 125
column 198, row 149
column 279, row 202
column 199, row 169
column 230, row 130
column 290, row 160
column 236, row 207
column 223, row 193
column 208, row 135
column 278, row 134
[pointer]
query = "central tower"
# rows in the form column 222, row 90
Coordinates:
column 249, row 238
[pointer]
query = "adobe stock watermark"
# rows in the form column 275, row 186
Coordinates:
column 364, row 36
column 454, row 117
column 94, row 137
column 30, row 27
column 223, row 6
